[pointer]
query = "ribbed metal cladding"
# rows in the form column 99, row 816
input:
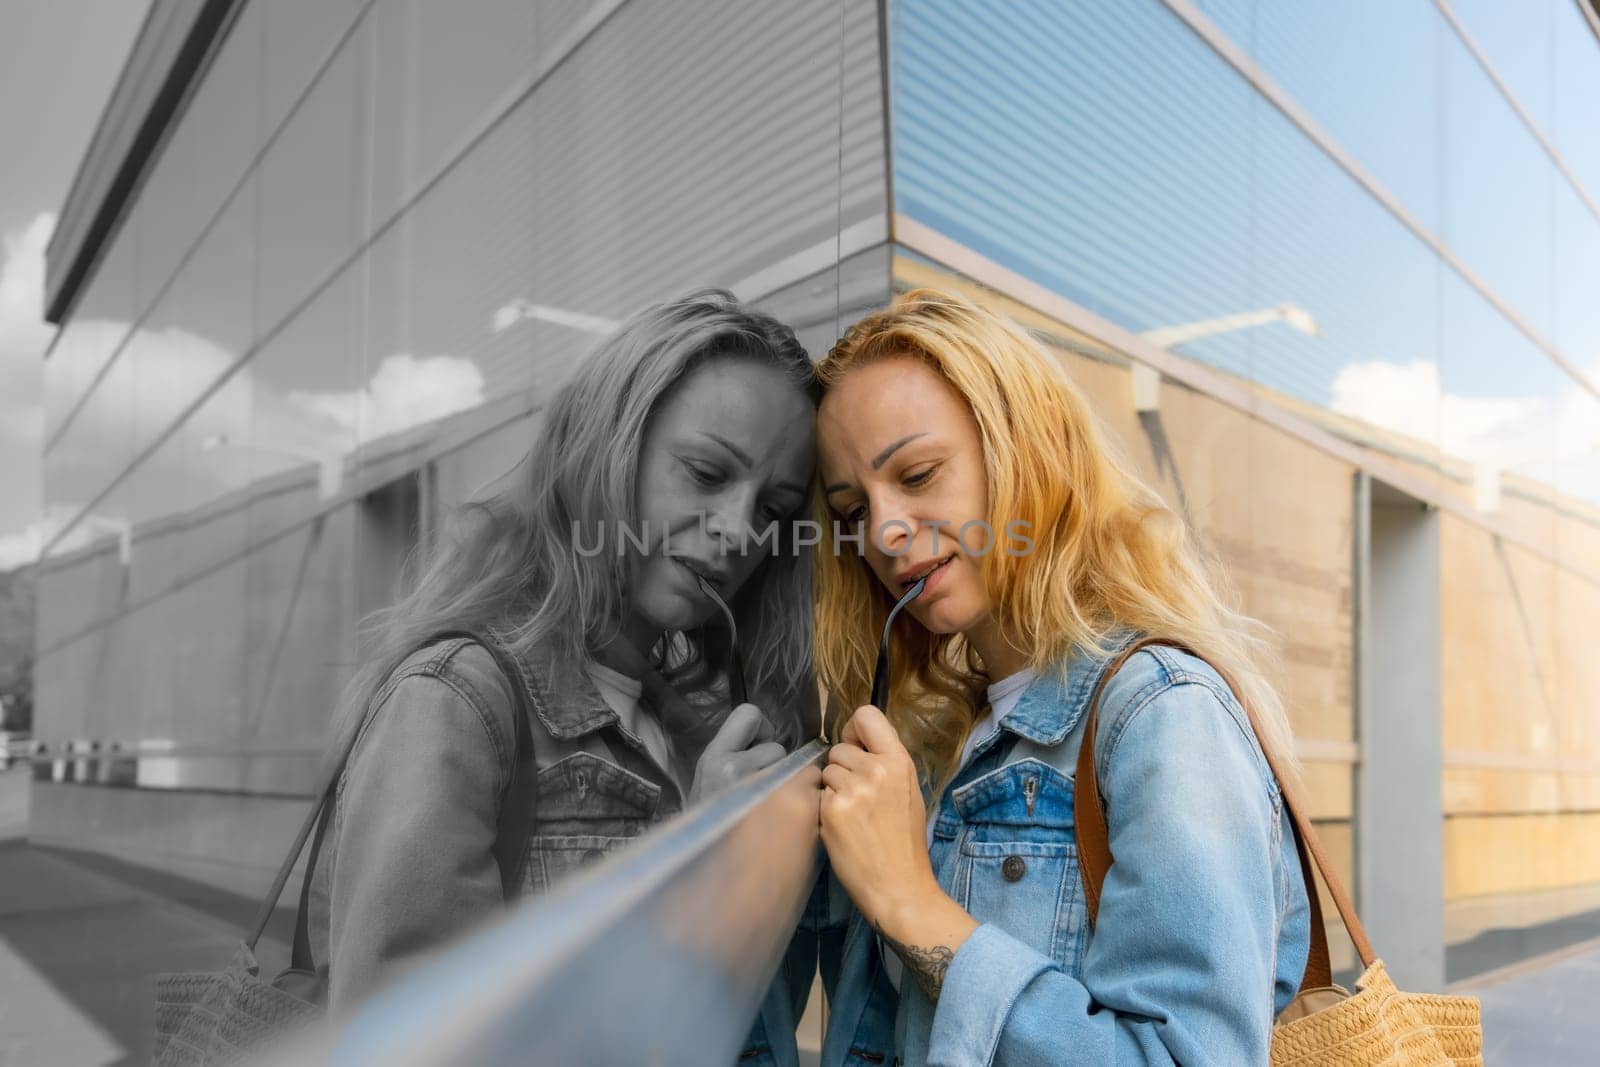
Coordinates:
column 1098, row 149
column 1104, row 151
column 681, row 145
column 702, row 143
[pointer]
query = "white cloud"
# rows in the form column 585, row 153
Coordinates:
column 24, row 336
column 247, row 429
column 23, row 332
column 258, row 427
column 405, row 391
column 22, row 547
column 1552, row 438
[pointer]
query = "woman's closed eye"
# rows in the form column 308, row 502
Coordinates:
column 713, row 477
column 917, row 480
column 710, row 477
column 772, row 511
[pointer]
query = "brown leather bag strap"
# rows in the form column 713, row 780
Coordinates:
column 1094, row 840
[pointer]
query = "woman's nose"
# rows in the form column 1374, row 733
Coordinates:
column 891, row 531
column 729, row 522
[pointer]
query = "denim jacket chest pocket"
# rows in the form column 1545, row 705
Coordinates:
column 1017, row 861
column 586, row 807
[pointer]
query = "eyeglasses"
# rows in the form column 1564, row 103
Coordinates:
column 736, row 684
column 880, row 676
column 880, row 691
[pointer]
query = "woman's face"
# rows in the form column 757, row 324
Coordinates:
column 902, row 463
column 727, row 452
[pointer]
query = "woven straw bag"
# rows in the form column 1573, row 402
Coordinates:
column 1325, row 1023
column 219, row 1017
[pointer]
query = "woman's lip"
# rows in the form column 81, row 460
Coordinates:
column 696, row 573
column 909, row 582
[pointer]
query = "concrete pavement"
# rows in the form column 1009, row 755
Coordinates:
column 81, row 937
column 1544, row 1012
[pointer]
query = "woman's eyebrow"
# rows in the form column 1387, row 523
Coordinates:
column 791, row 487
column 729, row 445
column 879, row 460
column 883, row 456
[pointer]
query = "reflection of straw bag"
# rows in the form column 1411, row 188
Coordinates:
column 212, row 1017
column 1325, row 1023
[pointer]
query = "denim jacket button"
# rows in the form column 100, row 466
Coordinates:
column 593, row 855
column 1014, row 868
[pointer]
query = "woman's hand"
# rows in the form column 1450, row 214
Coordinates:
column 873, row 817
column 874, row 825
column 730, row 755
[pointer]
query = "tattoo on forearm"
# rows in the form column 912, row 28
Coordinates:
column 927, row 965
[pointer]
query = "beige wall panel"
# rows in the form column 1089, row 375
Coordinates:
column 1576, row 686
column 300, row 647
column 1578, row 539
column 1527, row 515
column 1484, row 790
column 1520, row 853
column 1329, row 788
column 76, row 589
column 1497, row 646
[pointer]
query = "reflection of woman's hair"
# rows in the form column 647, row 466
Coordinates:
column 1106, row 550
column 510, row 563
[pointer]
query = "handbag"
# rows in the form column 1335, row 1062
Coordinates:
column 1325, row 1023
column 209, row 1017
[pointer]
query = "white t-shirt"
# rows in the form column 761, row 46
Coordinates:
column 622, row 694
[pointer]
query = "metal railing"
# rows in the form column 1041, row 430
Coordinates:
column 660, row 954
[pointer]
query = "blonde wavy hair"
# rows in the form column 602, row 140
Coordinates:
column 1107, row 552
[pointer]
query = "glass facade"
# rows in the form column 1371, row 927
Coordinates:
column 378, row 235
column 373, row 241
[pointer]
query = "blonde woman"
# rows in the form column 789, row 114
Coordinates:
column 960, row 452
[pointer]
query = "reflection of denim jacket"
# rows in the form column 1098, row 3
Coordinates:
column 1203, row 928
column 409, row 860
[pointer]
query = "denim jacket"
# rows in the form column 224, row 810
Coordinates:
column 409, row 860
column 1203, row 929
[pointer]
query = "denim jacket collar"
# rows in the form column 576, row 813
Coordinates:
column 566, row 701
column 1053, row 703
